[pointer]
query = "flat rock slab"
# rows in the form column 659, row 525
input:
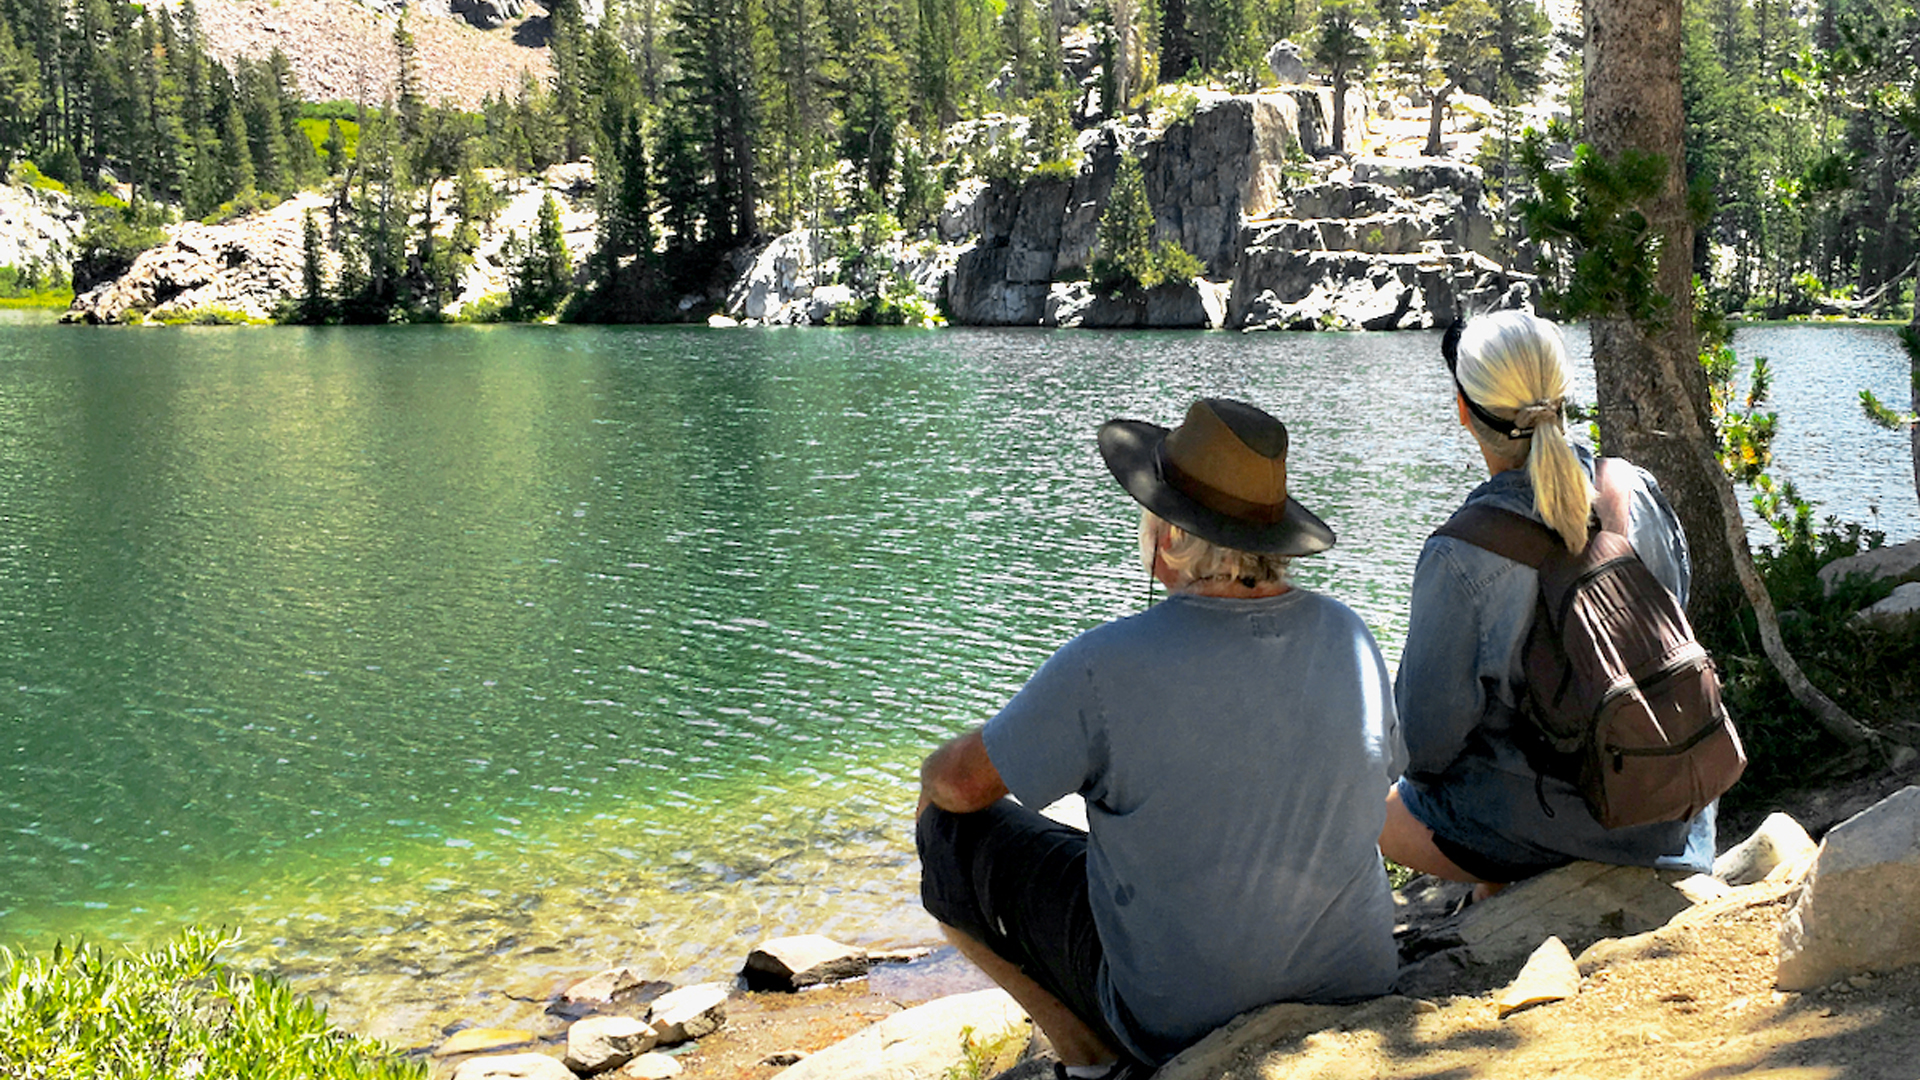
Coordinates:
column 600, row 1043
column 1232, row 1048
column 921, row 1043
column 1549, row 975
column 688, row 1013
column 1860, row 909
column 480, row 1040
column 1485, row 945
column 790, row 963
column 513, row 1067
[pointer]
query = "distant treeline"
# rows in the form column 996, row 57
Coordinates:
column 716, row 123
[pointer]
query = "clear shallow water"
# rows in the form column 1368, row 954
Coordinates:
column 449, row 664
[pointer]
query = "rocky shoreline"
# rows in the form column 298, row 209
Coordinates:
column 1815, row 923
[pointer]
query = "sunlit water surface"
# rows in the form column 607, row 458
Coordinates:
column 450, row 664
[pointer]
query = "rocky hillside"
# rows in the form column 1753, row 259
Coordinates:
column 344, row 51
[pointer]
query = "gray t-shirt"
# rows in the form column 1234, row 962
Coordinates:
column 1235, row 757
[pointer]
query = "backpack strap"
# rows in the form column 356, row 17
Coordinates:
column 1503, row 532
column 1524, row 540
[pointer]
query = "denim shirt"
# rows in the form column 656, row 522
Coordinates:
column 1461, row 683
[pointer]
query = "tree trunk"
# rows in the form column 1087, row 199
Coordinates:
column 1912, row 342
column 1438, row 107
column 1652, row 389
column 1339, row 110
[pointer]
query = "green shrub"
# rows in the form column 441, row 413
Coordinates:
column 174, row 1011
column 27, row 174
column 491, row 308
column 36, row 285
column 206, row 316
column 1872, row 673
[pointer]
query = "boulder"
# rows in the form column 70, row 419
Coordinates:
column 479, row 1040
column 1182, row 305
column 1778, row 840
column 650, row 1066
column 688, row 1013
column 1896, row 562
column 1549, row 975
column 601, row 989
column 1892, row 612
column 599, row 1043
column 513, row 1067
column 1283, row 59
column 488, row 14
column 780, row 274
column 1857, row 912
column 924, row 1041
column 790, row 963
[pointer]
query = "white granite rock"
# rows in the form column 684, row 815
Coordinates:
column 688, row 1013
column 599, row 1043
column 602, row 988
column 1549, row 975
column 805, row 960
column 1860, row 908
column 1779, row 839
column 513, row 1067
column 921, row 1043
column 1893, row 611
column 1899, row 562
column 650, row 1066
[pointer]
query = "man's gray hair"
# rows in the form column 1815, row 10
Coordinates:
column 1204, row 560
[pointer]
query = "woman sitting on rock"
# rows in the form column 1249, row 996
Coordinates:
column 1471, row 806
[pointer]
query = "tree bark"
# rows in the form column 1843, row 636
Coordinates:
column 1652, row 389
column 1436, row 108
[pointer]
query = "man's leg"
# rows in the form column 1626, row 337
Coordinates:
column 1407, row 841
column 1072, row 1039
column 1009, row 889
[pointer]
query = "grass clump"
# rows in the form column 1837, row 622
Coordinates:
column 989, row 1056
column 173, row 1011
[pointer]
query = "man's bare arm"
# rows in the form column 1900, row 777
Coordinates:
column 959, row 777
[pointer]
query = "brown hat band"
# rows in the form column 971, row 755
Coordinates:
column 1215, row 499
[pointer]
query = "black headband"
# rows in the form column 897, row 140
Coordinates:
column 1450, row 351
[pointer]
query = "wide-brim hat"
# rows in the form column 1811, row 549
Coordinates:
column 1221, row 475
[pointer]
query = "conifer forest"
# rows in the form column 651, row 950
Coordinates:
column 716, row 124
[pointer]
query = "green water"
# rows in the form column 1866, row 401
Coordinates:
column 450, row 664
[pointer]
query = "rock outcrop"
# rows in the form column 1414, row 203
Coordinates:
column 1399, row 244
column 249, row 266
column 38, row 227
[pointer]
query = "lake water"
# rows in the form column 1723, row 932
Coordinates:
column 450, row 664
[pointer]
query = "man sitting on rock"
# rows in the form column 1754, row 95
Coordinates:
column 1232, row 744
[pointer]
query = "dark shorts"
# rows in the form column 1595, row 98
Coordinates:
column 1017, row 883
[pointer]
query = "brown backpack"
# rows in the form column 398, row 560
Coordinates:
column 1623, row 699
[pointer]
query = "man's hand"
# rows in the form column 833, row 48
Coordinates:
column 959, row 777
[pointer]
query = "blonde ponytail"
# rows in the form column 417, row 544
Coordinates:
column 1514, row 365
